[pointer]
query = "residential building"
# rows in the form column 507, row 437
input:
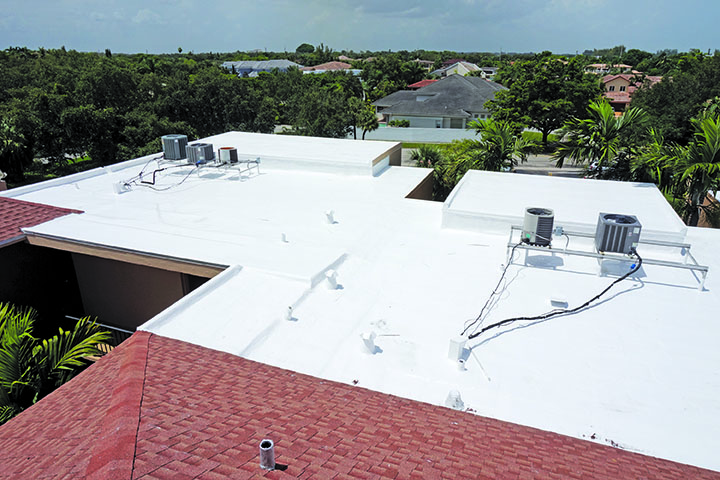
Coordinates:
column 422, row 83
column 331, row 67
column 604, row 68
column 451, row 102
column 330, row 322
column 457, row 68
column 251, row 68
column 620, row 88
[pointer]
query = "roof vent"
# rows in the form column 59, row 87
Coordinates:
column 537, row 226
column 267, row 454
column 174, row 146
column 199, row 153
column 617, row 233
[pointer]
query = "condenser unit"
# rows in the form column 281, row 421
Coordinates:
column 174, row 146
column 538, row 226
column 228, row 155
column 617, row 233
column 199, row 153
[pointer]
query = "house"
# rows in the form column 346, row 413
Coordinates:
column 488, row 72
column 457, row 68
column 251, row 68
column 619, row 88
column 451, row 102
column 331, row 67
column 330, row 322
column 426, row 64
column 604, row 68
column 422, row 83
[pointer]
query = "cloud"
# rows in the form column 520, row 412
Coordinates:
column 147, row 16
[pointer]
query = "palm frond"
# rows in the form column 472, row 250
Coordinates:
column 62, row 355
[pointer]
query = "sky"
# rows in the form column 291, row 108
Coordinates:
column 561, row 26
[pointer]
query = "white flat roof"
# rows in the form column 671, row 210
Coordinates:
column 486, row 201
column 638, row 369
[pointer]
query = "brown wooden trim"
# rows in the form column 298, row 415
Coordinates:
column 135, row 258
column 424, row 189
column 392, row 153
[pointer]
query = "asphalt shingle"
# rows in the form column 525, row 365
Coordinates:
column 159, row 408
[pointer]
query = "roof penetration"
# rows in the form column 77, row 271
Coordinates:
column 160, row 408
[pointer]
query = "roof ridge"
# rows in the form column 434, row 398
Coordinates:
column 113, row 455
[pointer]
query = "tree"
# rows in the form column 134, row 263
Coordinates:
column 543, row 93
column 687, row 173
column 322, row 113
column 388, row 74
column 31, row 368
column 499, row 149
column 602, row 139
column 364, row 116
column 304, row 48
column 13, row 149
column 680, row 96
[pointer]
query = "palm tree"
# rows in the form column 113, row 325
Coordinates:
column 688, row 172
column 602, row 139
column 31, row 368
column 498, row 149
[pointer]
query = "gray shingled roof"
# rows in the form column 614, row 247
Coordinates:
column 453, row 96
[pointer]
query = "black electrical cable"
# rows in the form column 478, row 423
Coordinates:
column 169, row 186
column 555, row 312
column 494, row 292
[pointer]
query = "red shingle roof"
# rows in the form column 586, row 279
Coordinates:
column 421, row 83
column 157, row 408
column 16, row 214
column 329, row 66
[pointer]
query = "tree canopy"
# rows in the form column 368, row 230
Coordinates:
column 544, row 92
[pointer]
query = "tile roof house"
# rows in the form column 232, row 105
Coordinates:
column 620, row 88
column 328, row 66
column 451, row 102
column 331, row 67
column 422, row 83
column 158, row 408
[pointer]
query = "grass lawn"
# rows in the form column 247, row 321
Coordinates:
column 417, row 144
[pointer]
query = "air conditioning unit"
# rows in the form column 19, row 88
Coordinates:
column 537, row 226
column 199, row 153
column 617, row 233
column 228, row 155
column 174, row 146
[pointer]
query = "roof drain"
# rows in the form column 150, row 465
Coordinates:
column 267, row 454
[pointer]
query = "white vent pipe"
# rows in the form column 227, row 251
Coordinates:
column 267, row 454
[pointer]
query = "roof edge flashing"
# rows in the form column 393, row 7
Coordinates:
column 190, row 299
